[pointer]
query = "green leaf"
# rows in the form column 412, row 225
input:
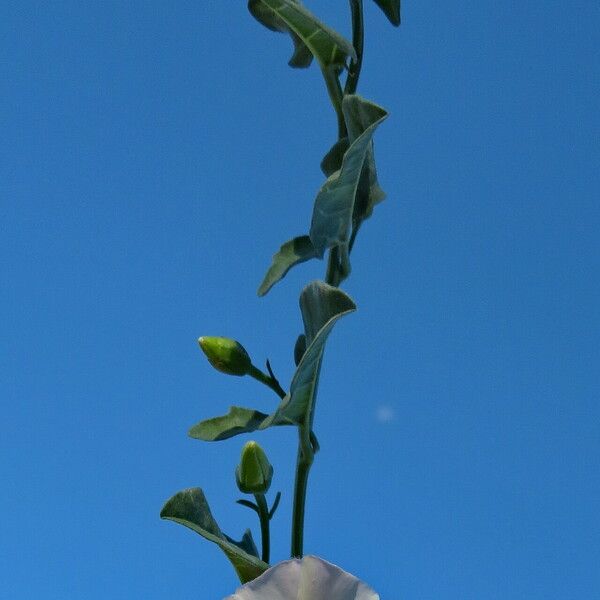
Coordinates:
column 334, row 206
column 246, row 543
column 302, row 56
column 190, row 508
column 292, row 253
column 391, row 8
column 322, row 305
column 359, row 115
column 325, row 44
column 238, row 420
column 332, row 161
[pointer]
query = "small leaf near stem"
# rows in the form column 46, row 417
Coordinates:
column 272, row 375
column 314, row 442
column 247, row 504
column 275, row 505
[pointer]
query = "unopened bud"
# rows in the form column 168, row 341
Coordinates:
column 254, row 473
column 225, row 355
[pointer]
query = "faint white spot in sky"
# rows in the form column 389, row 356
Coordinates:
column 385, row 414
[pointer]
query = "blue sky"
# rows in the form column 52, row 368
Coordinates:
column 152, row 159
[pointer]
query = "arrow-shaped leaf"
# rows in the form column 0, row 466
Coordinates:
column 391, row 8
column 325, row 44
column 334, row 205
column 292, row 253
column 322, row 305
column 359, row 115
column 238, row 420
column 190, row 508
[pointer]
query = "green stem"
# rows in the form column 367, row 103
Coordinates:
column 303, row 465
column 333, row 267
column 334, row 88
column 333, row 276
column 263, row 515
column 358, row 40
column 267, row 380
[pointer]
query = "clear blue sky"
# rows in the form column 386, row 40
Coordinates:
column 153, row 156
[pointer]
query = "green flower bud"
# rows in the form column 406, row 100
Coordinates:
column 225, row 355
column 254, row 473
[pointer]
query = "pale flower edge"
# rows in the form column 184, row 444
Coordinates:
column 309, row 578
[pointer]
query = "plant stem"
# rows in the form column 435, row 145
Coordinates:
column 333, row 267
column 334, row 88
column 303, row 465
column 333, row 275
column 267, row 380
column 358, row 37
column 263, row 515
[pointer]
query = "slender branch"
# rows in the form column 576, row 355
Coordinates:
column 333, row 267
column 334, row 88
column 358, row 37
column 337, row 269
column 263, row 515
column 267, row 380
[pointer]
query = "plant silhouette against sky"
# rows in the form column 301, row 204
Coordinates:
column 344, row 202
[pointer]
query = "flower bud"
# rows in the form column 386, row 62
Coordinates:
column 254, row 473
column 225, row 355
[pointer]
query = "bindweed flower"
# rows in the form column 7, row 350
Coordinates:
column 254, row 473
column 226, row 355
column 309, row 578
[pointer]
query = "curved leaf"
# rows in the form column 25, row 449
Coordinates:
column 238, row 420
column 359, row 115
column 302, row 56
column 332, row 161
column 292, row 253
column 334, row 206
column 322, row 305
column 190, row 508
column 391, row 8
column 325, row 44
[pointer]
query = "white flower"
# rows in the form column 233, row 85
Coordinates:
column 309, row 578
